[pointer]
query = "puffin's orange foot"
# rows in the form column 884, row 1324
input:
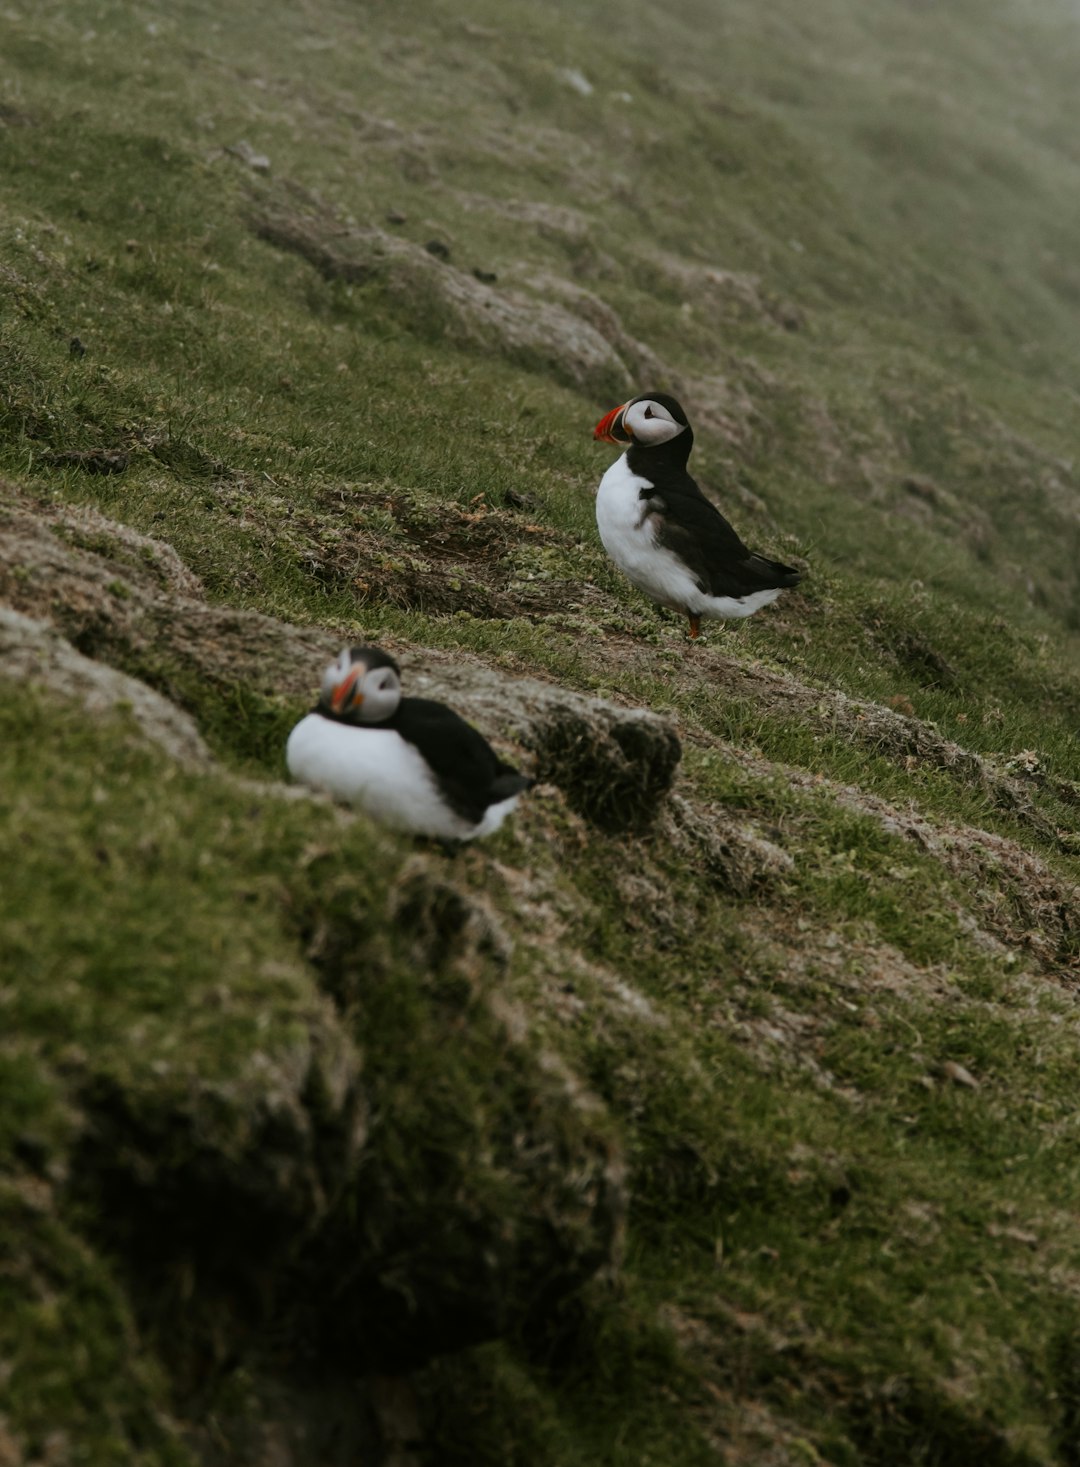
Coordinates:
column 695, row 627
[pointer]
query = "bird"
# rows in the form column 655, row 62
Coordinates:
column 663, row 533
column 411, row 763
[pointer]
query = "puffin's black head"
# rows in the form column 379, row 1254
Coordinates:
column 649, row 420
column 362, row 686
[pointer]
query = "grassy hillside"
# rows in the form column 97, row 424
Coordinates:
column 722, row 1109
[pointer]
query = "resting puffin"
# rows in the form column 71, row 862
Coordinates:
column 411, row 763
column 663, row 533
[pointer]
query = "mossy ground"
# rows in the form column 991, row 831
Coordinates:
column 835, row 1251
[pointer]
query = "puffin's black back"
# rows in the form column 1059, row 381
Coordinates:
column 695, row 530
column 469, row 773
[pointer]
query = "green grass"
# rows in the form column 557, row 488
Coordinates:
column 252, row 1059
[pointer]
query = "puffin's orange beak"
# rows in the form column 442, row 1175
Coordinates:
column 605, row 428
column 340, row 696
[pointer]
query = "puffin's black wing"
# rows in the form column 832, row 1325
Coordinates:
column 469, row 773
column 695, row 531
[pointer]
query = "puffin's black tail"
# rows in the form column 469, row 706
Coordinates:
column 770, row 574
column 507, row 783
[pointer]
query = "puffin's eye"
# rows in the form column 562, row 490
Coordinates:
column 649, row 413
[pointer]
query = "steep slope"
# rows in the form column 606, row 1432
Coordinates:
column 721, row 1109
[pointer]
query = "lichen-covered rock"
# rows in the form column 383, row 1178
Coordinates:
column 35, row 656
column 645, row 367
column 125, row 599
column 531, row 329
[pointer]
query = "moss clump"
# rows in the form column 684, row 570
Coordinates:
column 614, row 771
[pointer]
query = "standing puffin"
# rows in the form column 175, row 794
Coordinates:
column 663, row 533
column 410, row 762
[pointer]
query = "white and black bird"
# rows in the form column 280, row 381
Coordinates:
column 663, row 533
column 411, row 763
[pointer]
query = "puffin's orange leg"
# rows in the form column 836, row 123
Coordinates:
column 695, row 627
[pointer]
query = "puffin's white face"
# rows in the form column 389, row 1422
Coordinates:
column 645, row 421
column 352, row 689
column 650, row 422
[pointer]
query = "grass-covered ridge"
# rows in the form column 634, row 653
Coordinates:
column 744, row 1137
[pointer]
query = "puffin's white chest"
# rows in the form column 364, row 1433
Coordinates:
column 372, row 767
column 629, row 534
column 629, row 537
column 382, row 772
